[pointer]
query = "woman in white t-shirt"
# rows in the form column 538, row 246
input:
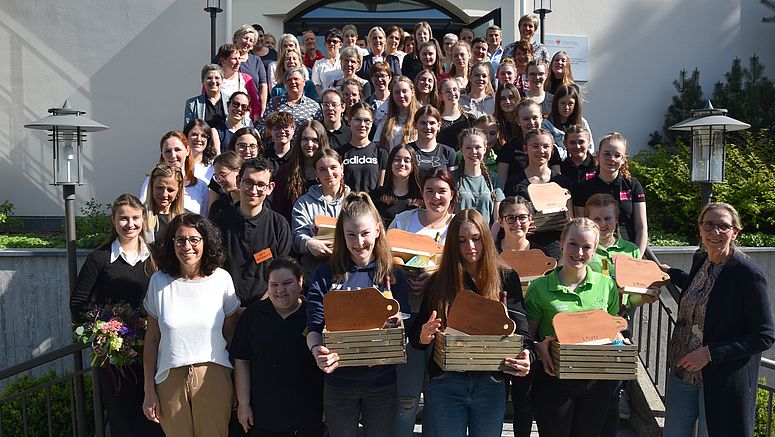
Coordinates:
column 192, row 312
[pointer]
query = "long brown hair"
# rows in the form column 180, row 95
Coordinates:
column 448, row 280
column 356, row 206
column 297, row 185
column 415, row 193
column 407, row 133
column 433, row 96
column 132, row 202
column 507, row 123
column 624, row 170
column 189, row 177
column 552, row 82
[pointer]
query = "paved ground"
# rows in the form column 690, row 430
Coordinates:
column 508, row 430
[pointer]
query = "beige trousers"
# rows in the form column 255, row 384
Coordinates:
column 196, row 400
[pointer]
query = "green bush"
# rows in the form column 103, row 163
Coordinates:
column 8, row 222
column 37, row 418
column 674, row 201
column 760, row 424
column 93, row 226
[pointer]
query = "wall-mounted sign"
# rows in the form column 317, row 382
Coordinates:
column 578, row 50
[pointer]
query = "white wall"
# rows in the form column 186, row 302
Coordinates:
column 131, row 65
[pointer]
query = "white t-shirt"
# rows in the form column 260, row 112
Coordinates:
column 190, row 315
column 195, row 199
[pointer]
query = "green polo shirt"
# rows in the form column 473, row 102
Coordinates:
column 547, row 296
column 602, row 261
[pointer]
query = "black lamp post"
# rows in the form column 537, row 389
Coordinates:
column 213, row 7
column 542, row 7
column 708, row 127
column 68, row 129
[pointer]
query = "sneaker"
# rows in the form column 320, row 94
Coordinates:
column 624, row 407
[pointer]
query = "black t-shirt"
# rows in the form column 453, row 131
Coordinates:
column 286, row 386
column 626, row 191
column 576, row 175
column 411, row 66
column 442, row 156
column 276, row 161
column 362, row 166
column 247, row 239
column 517, row 185
column 512, row 153
column 338, row 138
column 389, row 212
column 451, row 129
column 214, row 114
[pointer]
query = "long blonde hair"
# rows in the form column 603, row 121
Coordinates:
column 408, row 131
column 356, row 206
column 162, row 171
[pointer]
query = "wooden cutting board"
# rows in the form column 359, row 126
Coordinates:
column 407, row 244
column 548, row 197
column 476, row 315
column 354, row 310
column 593, row 326
column 638, row 276
column 529, row 264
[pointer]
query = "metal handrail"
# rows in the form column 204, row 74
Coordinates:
column 79, row 409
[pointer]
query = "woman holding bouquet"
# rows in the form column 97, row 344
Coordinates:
column 187, row 372
column 118, row 272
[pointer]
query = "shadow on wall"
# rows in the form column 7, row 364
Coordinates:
column 138, row 90
column 637, row 52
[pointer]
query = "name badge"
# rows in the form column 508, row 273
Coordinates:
column 263, row 255
column 625, row 195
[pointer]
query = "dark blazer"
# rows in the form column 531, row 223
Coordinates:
column 738, row 328
column 368, row 61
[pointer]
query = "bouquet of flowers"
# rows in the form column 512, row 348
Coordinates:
column 115, row 332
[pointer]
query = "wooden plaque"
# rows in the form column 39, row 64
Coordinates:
column 407, row 244
column 549, row 197
column 326, row 227
column 347, row 310
column 529, row 264
column 587, row 326
column 638, row 276
column 476, row 315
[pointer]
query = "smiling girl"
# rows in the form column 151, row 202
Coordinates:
column 566, row 112
column 163, row 200
column 614, row 178
column 453, row 118
column 427, row 91
column 560, row 72
column 580, row 165
column 398, row 127
column 364, row 162
column 477, row 188
column 401, row 191
column 479, row 99
column 473, row 401
column 119, row 271
column 361, row 259
column 430, row 153
column 571, row 287
column 512, row 157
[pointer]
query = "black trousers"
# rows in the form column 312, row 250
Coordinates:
column 570, row 408
column 122, row 397
column 521, row 400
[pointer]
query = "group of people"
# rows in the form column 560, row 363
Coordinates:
column 221, row 247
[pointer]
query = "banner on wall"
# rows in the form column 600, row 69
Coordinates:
column 577, row 48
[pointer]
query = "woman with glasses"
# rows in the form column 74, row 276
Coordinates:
column 328, row 69
column 724, row 324
column 187, row 374
column 239, row 105
column 226, row 165
column 364, row 161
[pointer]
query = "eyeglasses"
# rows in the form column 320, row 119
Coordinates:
column 242, row 106
column 333, row 41
column 181, row 241
column 723, row 228
column 249, row 185
column 220, row 177
column 511, row 219
column 244, row 146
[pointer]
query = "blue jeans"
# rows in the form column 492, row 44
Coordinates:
column 684, row 405
column 457, row 401
column 411, row 377
column 375, row 406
